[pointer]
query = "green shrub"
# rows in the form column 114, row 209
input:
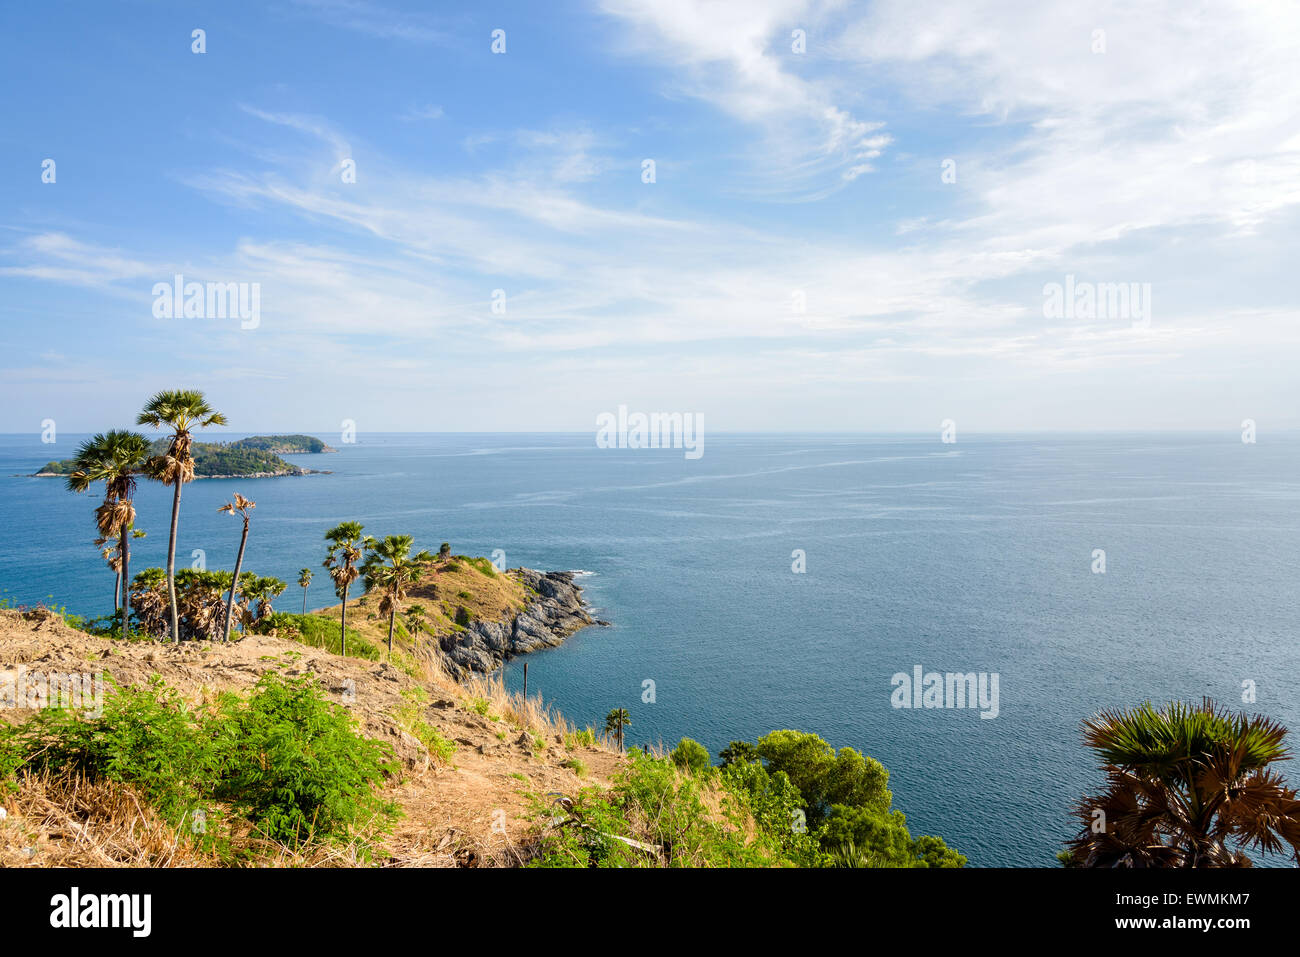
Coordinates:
column 284, row 757
column 295, row 765
column 691, row 756
column 320, row 632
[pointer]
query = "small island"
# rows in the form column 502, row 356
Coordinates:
column 255, row 457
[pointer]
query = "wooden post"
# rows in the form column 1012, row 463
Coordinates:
column 525, row 681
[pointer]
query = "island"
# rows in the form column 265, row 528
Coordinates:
column 255, row 457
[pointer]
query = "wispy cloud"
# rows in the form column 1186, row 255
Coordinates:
column 374, row 20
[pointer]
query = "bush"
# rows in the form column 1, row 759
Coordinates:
column 320, row 632
column 691, row 756
column 294, row 764
column 284, row 757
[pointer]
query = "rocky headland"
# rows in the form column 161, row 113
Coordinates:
column 555, row 611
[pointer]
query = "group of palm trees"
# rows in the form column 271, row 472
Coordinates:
column 118, row 458
column 388, row 569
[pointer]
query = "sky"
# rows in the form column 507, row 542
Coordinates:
column 774, row 214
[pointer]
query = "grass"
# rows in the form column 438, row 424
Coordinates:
column 529, row 714
column 409, row 717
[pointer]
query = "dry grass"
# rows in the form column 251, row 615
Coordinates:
column 68, row 820
column 529, row 714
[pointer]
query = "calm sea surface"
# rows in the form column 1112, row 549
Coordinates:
column 975, row 557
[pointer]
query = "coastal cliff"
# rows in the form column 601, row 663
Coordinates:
column 554, row 612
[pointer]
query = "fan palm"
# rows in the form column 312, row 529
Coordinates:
column 341, row 559
column 415, row 616
column 1187, row 786
column 181, row 410
column 391, row 569
column 304, row 579
column 615, row 722
column 115, row 458
column 240, row 506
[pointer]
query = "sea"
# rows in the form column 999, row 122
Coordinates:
column 790, row 580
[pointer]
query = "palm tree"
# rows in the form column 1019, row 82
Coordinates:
column 115, row 458
column 260, row 588
column 415, row 616
column 304, row 579
column 240, row 506
column 1187, row 786
column 182, row 410
column 615, row 722
column 341, row 559
column 390, row 569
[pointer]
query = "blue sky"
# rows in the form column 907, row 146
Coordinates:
column 1164, row 151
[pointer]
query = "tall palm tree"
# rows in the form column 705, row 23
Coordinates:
column 341, row 559
column 181, row 410
column 304, row 579
column 240, row 506
column 615, row 722
column 1187, row 786
column 115, row 458
column 390, row 569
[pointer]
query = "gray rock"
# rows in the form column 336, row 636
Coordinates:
column 545, row 622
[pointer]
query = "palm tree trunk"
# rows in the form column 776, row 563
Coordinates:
column 304, row 599
column 117, row 592
column 171, row 564
column 234, row 583
column 392, row 616
column 125, row 576
column 343, row 625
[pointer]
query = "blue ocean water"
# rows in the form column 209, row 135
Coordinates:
column 973, row 557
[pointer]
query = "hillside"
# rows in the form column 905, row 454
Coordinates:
column 505, row 750
column 273, row 749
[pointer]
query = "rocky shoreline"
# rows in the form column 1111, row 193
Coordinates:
column 556, row 613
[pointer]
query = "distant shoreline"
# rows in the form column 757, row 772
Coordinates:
column 246, row 475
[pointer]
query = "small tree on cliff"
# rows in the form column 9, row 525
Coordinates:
column 615, row 722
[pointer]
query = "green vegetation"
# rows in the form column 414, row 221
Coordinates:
column 789, row 800
column 320, row 632
column 252, row 456
column 1186, row 786
column 201, row 602
column 615, row 722
column 282, row 757
column 246, row 457
column 282, row 444
column 390, row 569
column 409, row 718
